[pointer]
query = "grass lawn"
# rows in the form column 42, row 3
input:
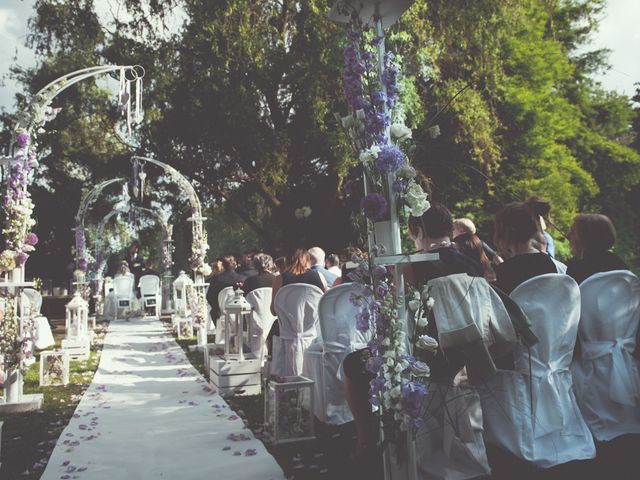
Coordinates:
column 29, row 438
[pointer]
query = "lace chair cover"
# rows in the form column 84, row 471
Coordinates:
column 297, row 308
column 42, row 336
column 606, row 374
column 223, row 297
column 322, row 362
column 150, row 290
column 262, row 320
column 535, row 416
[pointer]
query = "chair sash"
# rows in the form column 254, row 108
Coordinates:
column 623, row 387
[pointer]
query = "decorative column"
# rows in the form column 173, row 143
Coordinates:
column 15, row 335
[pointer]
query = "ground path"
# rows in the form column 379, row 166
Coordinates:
column 150, row 415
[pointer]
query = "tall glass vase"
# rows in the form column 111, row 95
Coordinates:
column 400, row 461
column 17, row 275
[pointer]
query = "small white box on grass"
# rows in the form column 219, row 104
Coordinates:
column 78, row 349
column 289, row 409
column 235, row 377
column 54, row 368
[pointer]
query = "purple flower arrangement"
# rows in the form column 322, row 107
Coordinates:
column 374, row 206
column 390, row 159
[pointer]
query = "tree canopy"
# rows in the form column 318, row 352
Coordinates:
column 241, row 97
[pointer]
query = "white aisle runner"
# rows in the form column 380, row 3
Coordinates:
column 150, row 415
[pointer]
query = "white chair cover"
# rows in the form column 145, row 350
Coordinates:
column 223, row 297
column 339, row 337
column 472, row 319
column 42, row 336
column 123, row 293
column 449, row 444
column 560, row 267
column 297, row 308
column 262, row 320
column 536, row 416
column 606, row 375
column 150, row 291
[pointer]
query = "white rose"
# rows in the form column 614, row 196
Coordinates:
column 419, row 208
column 299, row 214
column 425, row 342
column 422, row 322
column 414, row 305
column 206, row 270
column 430, row 302
column 400, row 131
column 306, row 211
column 415, row 194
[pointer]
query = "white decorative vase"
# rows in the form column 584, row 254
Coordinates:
column 13, row 387
column 17, row 275
column 382, row 233
column 400, row 460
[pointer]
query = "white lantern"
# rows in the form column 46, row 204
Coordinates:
column 54, row 368
column 180, row 286
column 289, row 409
column 237, row 311
column 77, row 318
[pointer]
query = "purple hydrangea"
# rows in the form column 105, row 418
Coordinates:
column 412, row 395
column 362, row 320
column 22, row 140
column 83, row 264
column 375, row 206
column 31, row 239
column 390, row 158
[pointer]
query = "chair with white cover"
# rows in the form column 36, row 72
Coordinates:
column 262, row 320
column 474, row 326
column 296, row 305
column 224, row 296
column 123, row 293
column 43, row 337
column 606, row 374
column 150, row 293
column 339, row 337
column 532, row 411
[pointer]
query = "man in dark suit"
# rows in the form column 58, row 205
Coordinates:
column 136, row 263
column 228, row 278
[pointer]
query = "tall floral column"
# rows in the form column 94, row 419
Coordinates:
column 201, row 270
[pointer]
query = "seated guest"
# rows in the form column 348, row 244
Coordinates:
column 317, row 264
column 517, row 233
column 299, row 272
column 149, row 269
column 332, row 264
column 470, row 245
column 465, row 225
column 263, row 264
column 591, row 237
column 245, row 269
column 348, row 264
column 281, row 265
column 228, row 278
column 216, row 267
column 540, row 210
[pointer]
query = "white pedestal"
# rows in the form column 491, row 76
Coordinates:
column 235, row 377
column 14, row 401
column 54, row 373
column 77, row 348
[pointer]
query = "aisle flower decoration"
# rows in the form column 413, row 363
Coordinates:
column 15, row 342
column 371, row 92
